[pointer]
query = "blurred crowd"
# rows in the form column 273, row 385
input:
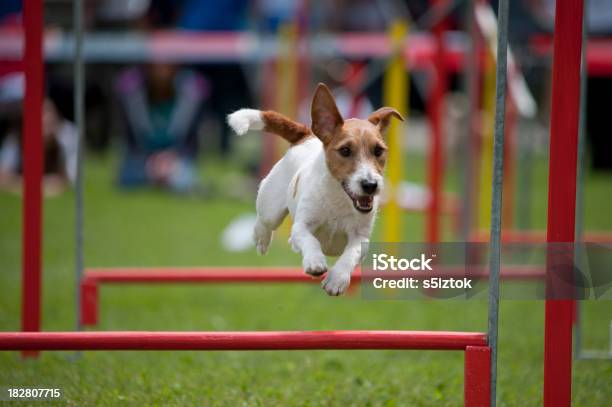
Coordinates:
column 160, row 116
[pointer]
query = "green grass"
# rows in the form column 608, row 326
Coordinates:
column 149, row 228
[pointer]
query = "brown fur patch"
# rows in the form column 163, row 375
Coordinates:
column 362, row 138
column 288, row 129
column 326, row 119
column 382, row 116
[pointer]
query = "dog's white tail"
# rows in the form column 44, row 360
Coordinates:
column 243, row 120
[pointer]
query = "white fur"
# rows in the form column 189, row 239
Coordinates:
column 324, row 219
column 244, row 120
column 365, row 172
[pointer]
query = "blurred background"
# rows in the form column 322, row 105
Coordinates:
column 168, row 184
column 163, row 75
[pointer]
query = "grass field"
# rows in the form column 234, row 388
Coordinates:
column 149, row 228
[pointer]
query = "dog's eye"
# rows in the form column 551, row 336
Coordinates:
column 378, row 151
column 345, row 151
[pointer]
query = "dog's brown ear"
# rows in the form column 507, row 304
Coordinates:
column 326, row 118
column 382, row 117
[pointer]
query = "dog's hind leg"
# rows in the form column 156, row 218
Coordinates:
column 262, row 236
column 266, row 223
column 271, row 207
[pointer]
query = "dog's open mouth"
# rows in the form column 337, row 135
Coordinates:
column 363, row 203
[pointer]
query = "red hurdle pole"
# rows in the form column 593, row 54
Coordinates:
column 88, row 302
column 477, row 376
column 562, row 192
column 244, row 340
column 94, row 278
column 436, row 113
column 32, row 167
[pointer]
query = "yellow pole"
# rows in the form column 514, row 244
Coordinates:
column 396, row 95
column 286, row 96
column 486, row 154
column 287, row 85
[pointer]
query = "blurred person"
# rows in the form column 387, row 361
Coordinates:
column 163, row 14
column 161, row 106
column 10, row 30
column 59, row 135
column 116, row 14
column 355, row 15
column 274, row 13
column 10, row 12
column 213, row 15
column 229, row 87
column 113, row 10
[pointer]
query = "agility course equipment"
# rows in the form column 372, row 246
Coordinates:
column 595, row 65
column 562, row 192
column 474, row 345
column 579, row 351
column 265, row 340
column 520, row 102
column 395, row 84
column 435, row 112
column 32, row 66
column 94, row 279
column 536, row 236
column 477, row 353
column 480, row 349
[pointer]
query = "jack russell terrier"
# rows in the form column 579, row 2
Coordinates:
column 329, row 180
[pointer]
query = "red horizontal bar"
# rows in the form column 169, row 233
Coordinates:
column 212, row 341
column 92, row 278
column 539, row 236
column 8, row 67
column 200, row 274
column 125, row 275
column 598, row 53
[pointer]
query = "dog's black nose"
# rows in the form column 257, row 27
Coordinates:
column 369, row 187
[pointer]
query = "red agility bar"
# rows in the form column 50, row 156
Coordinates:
column 537, row 236
column 32, row 159
column 562, row 193
column 598, row 53
column 258, row 340
column 477, row 353
column 126, row 275
column 89, row 290
column 199, row 275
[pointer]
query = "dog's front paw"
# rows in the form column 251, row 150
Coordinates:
column 315, row 265
column 336, row 283
column 293, row 246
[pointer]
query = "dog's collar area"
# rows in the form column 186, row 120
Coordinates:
column 363, row 203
